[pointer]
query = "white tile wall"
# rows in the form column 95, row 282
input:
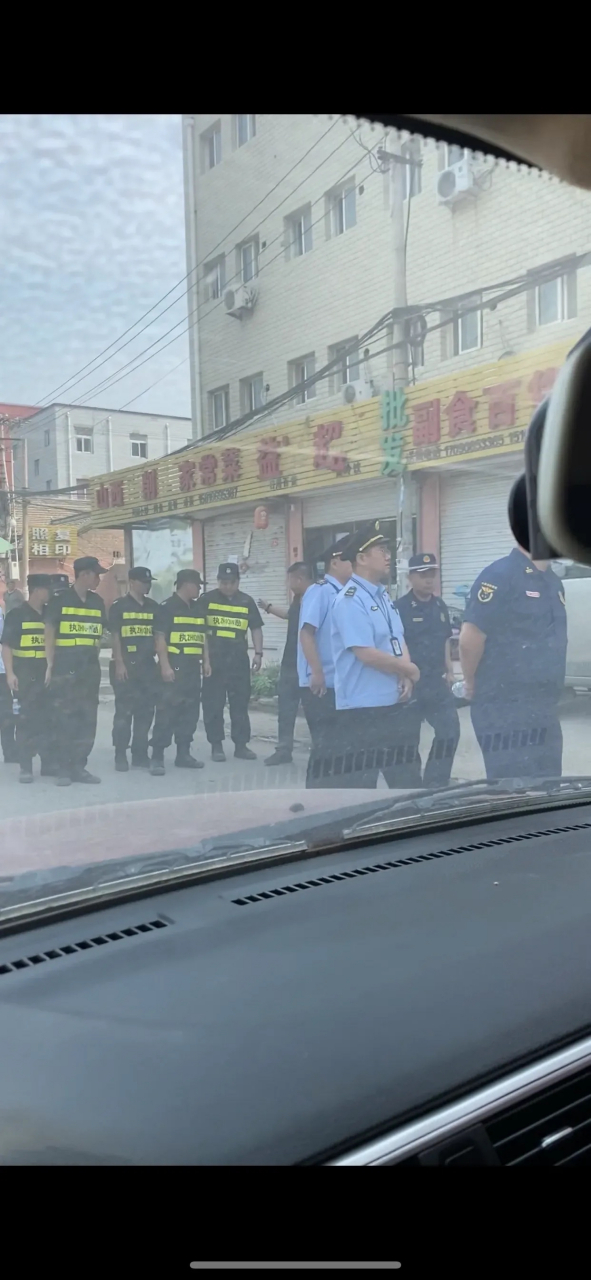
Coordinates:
column 515, row 222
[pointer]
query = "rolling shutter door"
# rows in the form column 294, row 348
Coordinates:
column 474, row 527
column 371, row 501
column 225, row 537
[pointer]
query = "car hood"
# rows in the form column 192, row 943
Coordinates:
column 103, row 832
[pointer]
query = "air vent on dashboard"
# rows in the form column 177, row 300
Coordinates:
column 70, row 948
column 391, row 864
column 551, row 1128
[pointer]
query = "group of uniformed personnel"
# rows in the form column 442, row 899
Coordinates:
column 167, row 659
column 369, row 671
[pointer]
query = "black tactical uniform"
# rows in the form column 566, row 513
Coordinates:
column 135, row 623
column 24, row 634
column 228, row 622
column 427, row 628
column 76, row 675
column 177, row 711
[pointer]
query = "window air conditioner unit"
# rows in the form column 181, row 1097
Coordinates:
column 455, row 183
column 240, row 300
column 355, row 391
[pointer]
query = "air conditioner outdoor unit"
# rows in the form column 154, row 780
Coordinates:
column 455, row 183
column 355, row 391
column 240, row 300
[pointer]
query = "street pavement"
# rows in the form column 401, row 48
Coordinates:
column 237, row 776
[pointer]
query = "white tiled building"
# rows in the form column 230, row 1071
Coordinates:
column 295, row 208
column 69, row 444
column 293, row 213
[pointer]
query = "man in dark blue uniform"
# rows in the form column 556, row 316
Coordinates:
column 427, row 631
column 513, row 654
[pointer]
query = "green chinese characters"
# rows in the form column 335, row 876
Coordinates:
column 394, row 419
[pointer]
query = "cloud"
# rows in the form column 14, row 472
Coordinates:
column 92, row 234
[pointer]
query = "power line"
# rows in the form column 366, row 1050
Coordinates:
column 509, row 289
column 111, row 380
column 75, row 378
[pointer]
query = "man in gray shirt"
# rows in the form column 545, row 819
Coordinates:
column 13, row 594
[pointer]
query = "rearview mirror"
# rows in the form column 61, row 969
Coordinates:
column 564, row 474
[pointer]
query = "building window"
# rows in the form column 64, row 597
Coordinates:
column 252, row 393
column 462, row 328
column 347, row 369
column 248, row 260
column 219, row 407
column 556, row 299
column 139, row 447
column 411, row 153
column 299, row 371
column 82, row 489
column 48, row 484
column 36, row 467
column 46, row 438
column 245, row 128
column 416, row 341
column 298, row 232
column 450, row 154
column 341, row 209
column 211, row 147
column 84, row 443
column 215, row 277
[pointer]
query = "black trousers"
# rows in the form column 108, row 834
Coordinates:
column 135, row 702
column 73, row 706
column 320, row 715
column 229, row 679
column 32, row 721
column 288, row 689
column 7, row 722
column 438, row 707
column 367, row 741
column 519, row 738
column 177, row 707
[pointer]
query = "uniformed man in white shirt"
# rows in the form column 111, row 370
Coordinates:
column 377, row 720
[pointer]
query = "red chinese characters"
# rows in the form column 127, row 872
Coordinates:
column 231, row 465
column 426, row 423
column 103, row 497
column 150, row 485
column 502, row 404
column 117, row 494
column 187, row 479
column 460, row 411
column 269, row 456
column 541, row 384
column 325, row 458
column 208, row 469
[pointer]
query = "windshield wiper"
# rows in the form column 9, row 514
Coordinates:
column 37, row 892
column 438, row 799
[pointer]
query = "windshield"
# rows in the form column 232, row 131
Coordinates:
column 265, row 387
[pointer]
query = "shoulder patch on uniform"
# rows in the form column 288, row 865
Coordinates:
column 351, row 591
column 486, row 593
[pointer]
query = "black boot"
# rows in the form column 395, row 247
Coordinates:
column 157, row 764
column 245, row 753
column 184, row 760
column 140, row 761
column 217, row 753
column 121, row 764
column 26, row 773
column 280, row 756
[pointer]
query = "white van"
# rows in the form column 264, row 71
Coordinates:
column 577, row 594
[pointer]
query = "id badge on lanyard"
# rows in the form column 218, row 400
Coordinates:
column 396, row 647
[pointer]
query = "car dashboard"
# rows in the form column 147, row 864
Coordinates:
column 425, row 999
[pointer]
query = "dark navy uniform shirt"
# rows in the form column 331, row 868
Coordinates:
column 427, row 629
column 522, row 613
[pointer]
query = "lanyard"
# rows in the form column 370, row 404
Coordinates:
column 386, row 614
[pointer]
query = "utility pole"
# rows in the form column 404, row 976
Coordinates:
column 25, row 515
column 396, row 163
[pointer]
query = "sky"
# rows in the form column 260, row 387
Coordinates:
column 91, row 236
